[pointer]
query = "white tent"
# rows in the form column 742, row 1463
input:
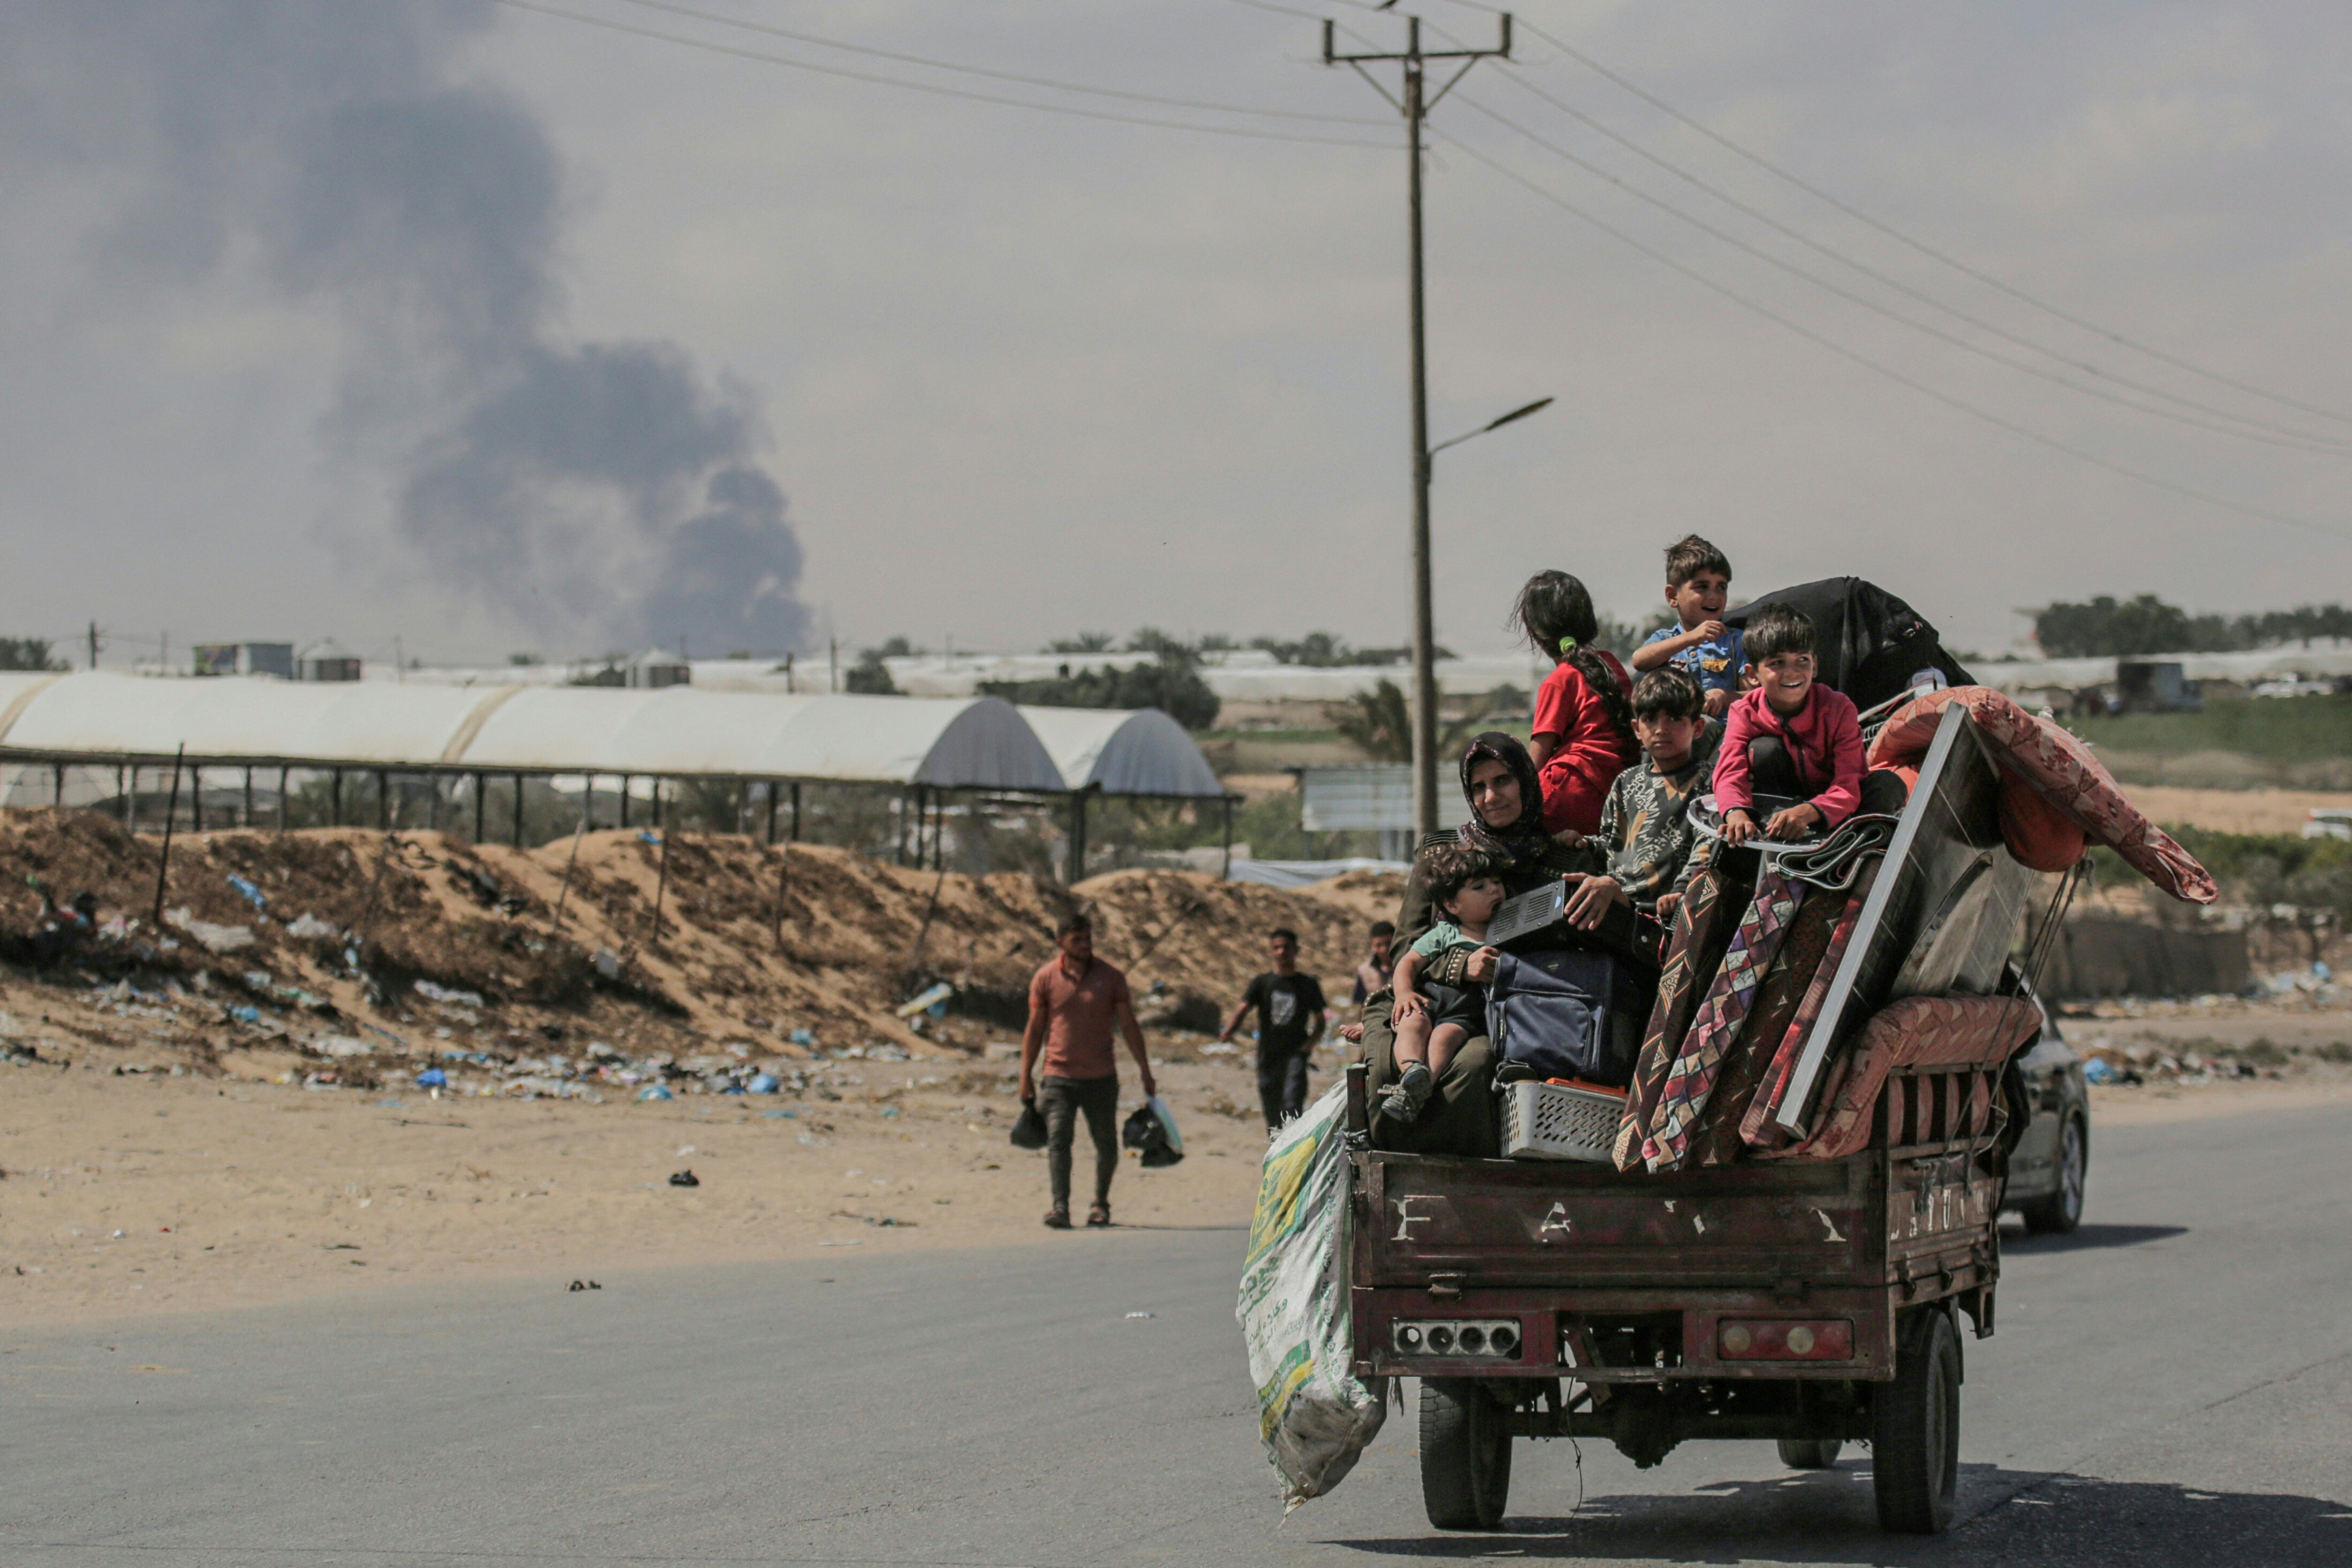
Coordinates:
column 1137, row 751
column 675, row 731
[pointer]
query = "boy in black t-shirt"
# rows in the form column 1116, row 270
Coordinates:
column 1290, row 1010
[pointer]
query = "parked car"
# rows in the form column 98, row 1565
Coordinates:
column 2053, row 1159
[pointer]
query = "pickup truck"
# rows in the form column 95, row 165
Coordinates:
column 1812, row 1302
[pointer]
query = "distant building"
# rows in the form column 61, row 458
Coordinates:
column 2145, row 684
column 327, row 659
column 246, row 658
column 657, row 668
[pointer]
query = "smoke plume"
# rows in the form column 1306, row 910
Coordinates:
column 605, row 494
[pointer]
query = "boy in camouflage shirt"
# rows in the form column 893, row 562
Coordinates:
column 1645, row 842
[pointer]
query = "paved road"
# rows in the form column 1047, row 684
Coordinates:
column 2169, row 1387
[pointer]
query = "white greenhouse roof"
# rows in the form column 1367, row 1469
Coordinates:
column 677, row 731
column 1136, row 751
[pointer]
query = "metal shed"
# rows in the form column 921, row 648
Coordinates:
column 1136, row 751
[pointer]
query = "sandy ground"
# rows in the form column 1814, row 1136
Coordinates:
column 2233, row 810
column 144, row 1192
column 152, row 1193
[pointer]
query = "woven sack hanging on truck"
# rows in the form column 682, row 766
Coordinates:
column 1567, row 1013
column 1314, row 1417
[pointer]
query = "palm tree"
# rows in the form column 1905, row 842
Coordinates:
column 1380, row 723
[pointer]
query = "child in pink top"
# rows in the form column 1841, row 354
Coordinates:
column 1790, row 736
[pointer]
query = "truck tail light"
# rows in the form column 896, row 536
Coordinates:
column 1779, row 1339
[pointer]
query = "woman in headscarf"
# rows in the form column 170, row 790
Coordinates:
column 1499, row 782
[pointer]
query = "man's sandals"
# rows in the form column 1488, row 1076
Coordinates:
column 1057, row 1219
column 1098, row 1217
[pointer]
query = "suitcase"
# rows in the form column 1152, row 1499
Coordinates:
column 1568, row 1012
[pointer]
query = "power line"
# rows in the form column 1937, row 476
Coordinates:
column 1993, row 328
column 2296, row 440
column 1057, row 86
column 1989, row 280
column 1949, row 401
column 933, row 89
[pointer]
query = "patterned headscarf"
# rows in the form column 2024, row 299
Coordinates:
column 1522, row 843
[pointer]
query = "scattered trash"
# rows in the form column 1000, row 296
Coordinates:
column 684, row 1179
column 388, row 1104
column 311, row 928
column 2096, row 1070
column 762, row 1083
column 608, row 963
column 926, row 1000
column 802, row 1036
column 341, row 1046
column 773, row 1115
column 210, row 937
column 432, row 993
column 814, row 1142
column 585, row 1285
column 246, row 1014
column 253, row 895
column 1142, row 1314
column 890, row 1110
column 654, row 1091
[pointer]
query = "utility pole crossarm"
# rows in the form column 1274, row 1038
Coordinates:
column 1415, row 105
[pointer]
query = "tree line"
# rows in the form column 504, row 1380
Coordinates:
column 2108, row 627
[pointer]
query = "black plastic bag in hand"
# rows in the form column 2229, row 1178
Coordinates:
column 1148, row 1136
column 1029, row 1127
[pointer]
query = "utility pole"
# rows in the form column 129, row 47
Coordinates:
column 93, row 645
column 1415, row 105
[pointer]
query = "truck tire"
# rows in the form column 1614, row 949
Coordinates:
column 2062, row 1210
column 1811, row 1453
column 1914, row 1428
column 1465, row 1455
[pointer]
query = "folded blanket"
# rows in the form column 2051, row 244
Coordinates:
column 2059, row 768
column 1692, row 951
column 1758, row 1129
column 1692, row 1079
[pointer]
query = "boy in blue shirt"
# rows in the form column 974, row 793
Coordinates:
column 1698, row 583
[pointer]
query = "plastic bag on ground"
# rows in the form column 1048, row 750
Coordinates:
column 1314, row 1415
column 1150, row 1132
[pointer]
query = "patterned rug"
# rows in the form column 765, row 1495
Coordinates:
column 1691, row 956
column 1758, row 1129
column 1778, row 996
column 1692, row 1079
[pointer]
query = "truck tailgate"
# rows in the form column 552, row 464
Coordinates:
column 1515, row 1223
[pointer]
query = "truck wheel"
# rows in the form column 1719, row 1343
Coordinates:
column 2061, row 1211
column 1465, row 1455
column 1811, row 1453
column 1914, row 1428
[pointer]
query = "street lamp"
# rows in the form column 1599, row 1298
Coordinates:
column 1538, row 405
column 1424, row 661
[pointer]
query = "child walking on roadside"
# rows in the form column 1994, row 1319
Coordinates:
column 1698, row 583
column 1432, row 1020
column 1584, row 730
column 1792, row 737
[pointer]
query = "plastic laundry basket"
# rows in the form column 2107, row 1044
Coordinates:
column 1560, row 1122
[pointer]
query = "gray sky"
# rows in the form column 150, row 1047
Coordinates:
column 497, row 331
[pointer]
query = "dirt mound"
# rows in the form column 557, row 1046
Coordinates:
column 357, row 933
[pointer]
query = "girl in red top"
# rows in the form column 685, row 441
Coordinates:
column 1584, row 727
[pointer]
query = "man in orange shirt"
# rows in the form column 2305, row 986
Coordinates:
column 1075, row 1002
